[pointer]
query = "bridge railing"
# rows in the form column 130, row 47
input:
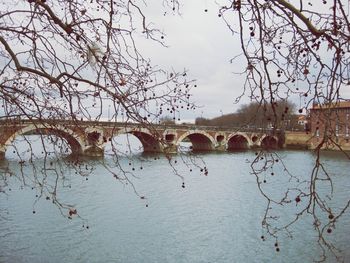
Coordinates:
column 14, row 121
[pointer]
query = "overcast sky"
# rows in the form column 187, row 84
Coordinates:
column 200, row 42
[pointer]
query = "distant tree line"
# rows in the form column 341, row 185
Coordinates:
column 166, row 120
column 258, row 115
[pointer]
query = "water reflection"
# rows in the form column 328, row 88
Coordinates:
column 214, row 218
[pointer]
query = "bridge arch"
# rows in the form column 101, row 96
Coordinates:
column 238, row 141
column 149, row 141
column 74, row 140
column 269, row 142
column 201, row 140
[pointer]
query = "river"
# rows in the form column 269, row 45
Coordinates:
column 210, row 218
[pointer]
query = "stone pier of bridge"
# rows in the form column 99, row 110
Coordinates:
column 89, row 138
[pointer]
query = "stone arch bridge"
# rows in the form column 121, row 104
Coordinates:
column 88, row 138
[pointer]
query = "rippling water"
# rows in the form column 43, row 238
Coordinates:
column 215, row 218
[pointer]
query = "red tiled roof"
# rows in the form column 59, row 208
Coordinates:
column 338, row 104
column 302, row 117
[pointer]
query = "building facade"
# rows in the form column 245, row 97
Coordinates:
column 330, row 126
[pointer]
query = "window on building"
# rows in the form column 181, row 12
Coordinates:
column 347, row 130
column 317, row 132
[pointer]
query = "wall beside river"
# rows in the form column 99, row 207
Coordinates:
column 297, row 140
column 303, row 140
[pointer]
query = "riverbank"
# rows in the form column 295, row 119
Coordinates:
column 297, row 140
column 305, row 140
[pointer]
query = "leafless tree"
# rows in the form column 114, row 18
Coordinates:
column 78, row 60
column 71, row 59
column 295, row 48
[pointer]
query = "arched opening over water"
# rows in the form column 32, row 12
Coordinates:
column 237, row 142
column 123, row 144
column 39, row 141
column 149, row 142
column 196, row 142
column 40, row 144
column 132, row 142
column 269, row 142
